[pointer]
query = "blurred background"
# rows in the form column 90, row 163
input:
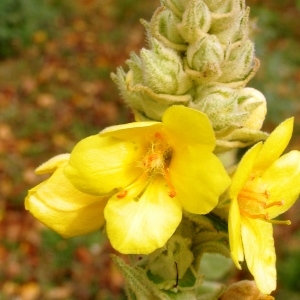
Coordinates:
column 56, row 57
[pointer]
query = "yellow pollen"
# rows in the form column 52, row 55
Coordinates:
column 155, row 162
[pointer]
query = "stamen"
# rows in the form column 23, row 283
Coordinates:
column 149, row 180
column 249, row 195
column 172, row 192
column 275, row 203
column 265, row 217
column 279, row 222
column 123, row 193
column 252, row 201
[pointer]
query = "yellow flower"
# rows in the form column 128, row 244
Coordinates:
column 263, row 186
column 150, row 171
column 61, row 207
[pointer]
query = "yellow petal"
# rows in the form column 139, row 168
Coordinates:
column 132, row 130
column 244, row 170
column 140, row 227
column 259, row 252
column 234, row 230
column 102, row 165
column 58, row 205
column 188, row 126
column 275, row 144
column 198, row 177
column 53, row 163
column 282, row 180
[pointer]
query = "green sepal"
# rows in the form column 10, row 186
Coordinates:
column 170, row 263
column 215, row 266
column 138, row 285
column 145, row 103
column 190, row 281
column 196, row 21
column 163, row 27
column 176, row 6
column 238, row 138
column 209, row 222
column 211, row 236
column 204, row 59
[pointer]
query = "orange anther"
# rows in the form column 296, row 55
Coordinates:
column 172, row 193
column 122, row 194
column 158, row 135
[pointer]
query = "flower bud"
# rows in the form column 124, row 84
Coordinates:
column 163, row 27
column 246, row 290
column 162, row 70
column 205, row 58
column 146, row 104
column 239, row 57
column 222, row 6
column 255, row 103
column 176, row 6
column 236, row 114
column 226, row 20
column 196, row 21
column 220, row 104
column 155, row 81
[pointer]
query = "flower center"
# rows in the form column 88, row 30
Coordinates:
column 254, row 201
column 155, row 162
column 158, row 156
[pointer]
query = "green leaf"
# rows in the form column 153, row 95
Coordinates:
column 215, row 266
column 139, row 286
column 210, row 291
column 190, row 280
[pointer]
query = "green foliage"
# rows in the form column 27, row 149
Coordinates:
column 289, row 273
column 20, row 19
column 61, row 249
column 276, row 36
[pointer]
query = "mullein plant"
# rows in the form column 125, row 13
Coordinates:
column 159, row 187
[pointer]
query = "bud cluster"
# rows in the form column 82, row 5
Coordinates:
column 199, row 56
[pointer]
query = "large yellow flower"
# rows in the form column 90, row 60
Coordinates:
column 150, row 171
column 61, row 207
column 263, row 186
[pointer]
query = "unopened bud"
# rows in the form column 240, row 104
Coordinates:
column 155, row 81
column 236, row 115
column 163, row 27
column 176, row 6
column 226, row 19
column 240, row 58
column 255, row 103
column 204, row 59
column 163, row 71
column 244, row 290
column 196, row 21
